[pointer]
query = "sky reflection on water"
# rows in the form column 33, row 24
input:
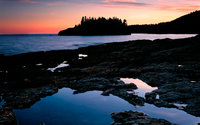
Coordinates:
column 91, row 108
column 142, row 87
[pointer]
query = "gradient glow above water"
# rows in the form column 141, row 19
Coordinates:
column 51, row 16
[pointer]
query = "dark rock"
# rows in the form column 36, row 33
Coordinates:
column 150, row 97
column 7, row 117
column 193, row 108
column 25, row 98
column 107, row 92
column 136, row 118
column 131, row 98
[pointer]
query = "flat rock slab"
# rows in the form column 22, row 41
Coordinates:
column 136, row 118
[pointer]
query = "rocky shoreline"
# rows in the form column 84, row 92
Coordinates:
column 171, row 65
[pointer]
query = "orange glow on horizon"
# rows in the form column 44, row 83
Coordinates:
column 39, row 16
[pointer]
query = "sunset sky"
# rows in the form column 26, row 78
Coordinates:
column 50, row 16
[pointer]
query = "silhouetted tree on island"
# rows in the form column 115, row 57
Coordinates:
column 98, row 26
column 189, row 23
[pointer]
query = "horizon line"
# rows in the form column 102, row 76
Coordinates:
column 28, row 33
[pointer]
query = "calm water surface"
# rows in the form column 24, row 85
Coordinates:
column 91, row 108
column 15, row 44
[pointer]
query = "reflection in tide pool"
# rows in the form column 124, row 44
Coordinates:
column 59, row 66
column 81, row 56
column 1, row 103
column 142, row 87
column 91, row 108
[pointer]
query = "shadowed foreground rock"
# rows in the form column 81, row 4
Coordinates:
column 7, row 117
column 171, row 65
column 136, row 118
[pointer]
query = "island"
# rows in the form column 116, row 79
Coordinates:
column 98, row 26
column 186, row 24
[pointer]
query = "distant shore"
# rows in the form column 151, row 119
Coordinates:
column 186, row 24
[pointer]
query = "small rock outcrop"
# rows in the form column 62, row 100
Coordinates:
column 136, row 118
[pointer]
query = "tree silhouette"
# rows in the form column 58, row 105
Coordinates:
column 98, row 26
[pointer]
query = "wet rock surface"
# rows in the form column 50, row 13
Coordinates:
column 25, row 98
column 136, row 118
column 171, row 65
column 7, row 117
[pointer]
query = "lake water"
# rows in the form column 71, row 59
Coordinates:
column 16, row 44
column 91, row 108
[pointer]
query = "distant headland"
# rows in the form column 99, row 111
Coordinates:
column 187, row 24
column 98, row 26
